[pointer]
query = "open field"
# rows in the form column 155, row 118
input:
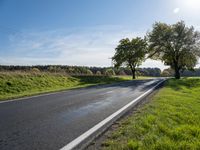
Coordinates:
column 171, row 120
column 18, row 84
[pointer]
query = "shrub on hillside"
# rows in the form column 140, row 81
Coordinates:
column 109, row 72
column 89, row 72
column 98, row 73
column 35, row 70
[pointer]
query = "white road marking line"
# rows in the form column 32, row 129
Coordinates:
column 92, row 130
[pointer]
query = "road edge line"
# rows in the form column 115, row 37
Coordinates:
column 74, row 143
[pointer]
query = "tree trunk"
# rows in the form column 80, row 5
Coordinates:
column 132, row 70
column 177, row 71
column 177, row 74
column 133, row 73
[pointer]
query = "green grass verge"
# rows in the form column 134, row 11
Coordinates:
column 18, row 84
column 127, row 77
column 171, row 121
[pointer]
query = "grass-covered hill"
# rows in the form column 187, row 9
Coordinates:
column 18, row 84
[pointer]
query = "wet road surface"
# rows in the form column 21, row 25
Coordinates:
column 52, row 121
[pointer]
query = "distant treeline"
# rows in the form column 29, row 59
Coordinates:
column 82, row 70
column 169, row 72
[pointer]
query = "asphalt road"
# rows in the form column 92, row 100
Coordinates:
column 49, row 122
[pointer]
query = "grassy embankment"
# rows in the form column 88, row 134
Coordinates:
column 18, row 84
column 170, row 121
column 137, row 78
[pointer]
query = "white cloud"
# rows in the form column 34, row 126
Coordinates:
column 176, row 10
column 153, row 63
column 197, row 28
column 85, row 46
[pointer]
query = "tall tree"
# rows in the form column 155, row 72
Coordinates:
column 176, row 45
column 130, row 53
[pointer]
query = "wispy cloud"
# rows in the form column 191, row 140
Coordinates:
column 81, row 46
column 176, row 10
column 84, row 46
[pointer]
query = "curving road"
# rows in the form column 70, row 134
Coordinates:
column 51, row 121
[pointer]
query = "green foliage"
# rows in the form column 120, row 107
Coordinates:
column 130, row 53
column 55, row 69
column 81, row 70
column 109, row 72
column 176, row 45
column 186, row 73
column 98, row 73
column 167, row 72
column 171, row 120
column 17, row 84
column 132, row 145
column 121, row 72
column 89, row 72
column 35, row 70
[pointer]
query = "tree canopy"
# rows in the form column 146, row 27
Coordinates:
column 176, row 45
column 130, row 53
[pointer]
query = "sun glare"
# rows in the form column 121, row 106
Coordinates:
column 191, row 5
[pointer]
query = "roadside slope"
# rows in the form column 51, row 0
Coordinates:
column 19, row 84
column 170, row 121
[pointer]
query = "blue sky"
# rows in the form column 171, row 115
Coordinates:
column 82, row 32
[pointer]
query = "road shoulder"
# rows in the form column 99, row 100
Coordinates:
column 99, row 141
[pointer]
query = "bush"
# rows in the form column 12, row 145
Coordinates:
column 35, row 70
column 89, row 72
column 98, row 73
column 132, row 145
column 122, row 73
column 109, row 72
